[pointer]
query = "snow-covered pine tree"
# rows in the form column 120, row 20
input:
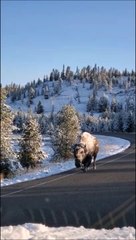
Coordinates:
column 89, row 123
column 31, row 95
column 46, row 91
column 68, row 73
column 67, row 128
column 92, row 104
column 117, row 121
column 130, row 103
column 104, row 124
column 57, row 88
column 128, row 121
column 103, row 103
column 6, row 123
column 18, row 121
column 77, row 73
column 30, row 152
column 63, row 73
column 114, row 105
column 44, row 123
column 56, row 75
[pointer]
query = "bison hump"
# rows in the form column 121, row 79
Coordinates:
column 85, row 137
column 89, row 140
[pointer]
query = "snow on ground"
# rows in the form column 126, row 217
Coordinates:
column 29, row 231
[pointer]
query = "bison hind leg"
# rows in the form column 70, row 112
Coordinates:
column 94, row 162
column 94, row 166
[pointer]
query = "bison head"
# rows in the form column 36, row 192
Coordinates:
column 79, row 154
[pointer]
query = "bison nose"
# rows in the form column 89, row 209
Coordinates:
column 77, row 154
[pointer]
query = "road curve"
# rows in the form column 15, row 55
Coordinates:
column 104, row 198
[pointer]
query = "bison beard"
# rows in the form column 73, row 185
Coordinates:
column 85, row 152
column 85, row 163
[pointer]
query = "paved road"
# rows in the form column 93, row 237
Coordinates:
column 104, row 198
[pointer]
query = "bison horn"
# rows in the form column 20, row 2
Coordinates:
column 78, row 145
column 82, row 145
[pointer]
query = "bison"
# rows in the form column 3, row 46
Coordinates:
column 85, row 152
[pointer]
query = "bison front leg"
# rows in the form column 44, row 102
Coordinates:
column 87, row 162
column 77, row 163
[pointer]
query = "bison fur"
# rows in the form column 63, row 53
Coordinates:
column 85, row 151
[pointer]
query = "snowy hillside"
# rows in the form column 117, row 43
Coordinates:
column 104, row 104
column 75, row 93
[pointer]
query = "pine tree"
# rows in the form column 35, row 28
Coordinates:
column 18, row 121
column 117, row 121
column 77, row 74
column 6, row 123
column 89, row 123
column 44, row 123
column 66, row 131
column 63, row 73
column 46, row 91
column 103, row 103
column 92, row 104
column 68, row 73
column 56, row 75
column 30, row 145
column 128, row 122
column 51, row 76
column 39, row 108
column 114, row 104
column 31, row 95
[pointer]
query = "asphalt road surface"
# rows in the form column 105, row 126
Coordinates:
column 104, row 198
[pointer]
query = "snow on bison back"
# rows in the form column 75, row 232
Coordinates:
column 85, row 151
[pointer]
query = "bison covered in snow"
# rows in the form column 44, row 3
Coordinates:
column 85, row 151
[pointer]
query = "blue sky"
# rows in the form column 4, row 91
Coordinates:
column 37, row 36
